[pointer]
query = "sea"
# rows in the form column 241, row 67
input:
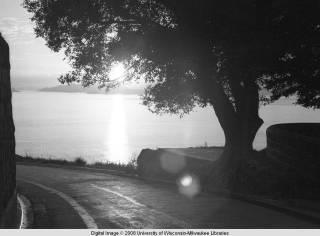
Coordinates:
column 115, row 128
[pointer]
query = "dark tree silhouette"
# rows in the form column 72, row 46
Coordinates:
column 206, row 53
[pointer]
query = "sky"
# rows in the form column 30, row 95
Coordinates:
column 33, row 64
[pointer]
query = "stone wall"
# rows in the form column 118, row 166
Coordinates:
column 296, row 145
column 172, row 164
column 7, row 143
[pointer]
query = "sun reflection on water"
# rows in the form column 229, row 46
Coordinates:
column 117, row 138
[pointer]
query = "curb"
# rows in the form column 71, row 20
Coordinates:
column 26, row 220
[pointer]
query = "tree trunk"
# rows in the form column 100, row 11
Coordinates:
column 239, row 136
column 240, row 125
column 7, row 143
column 241, row 130
column 239, row 119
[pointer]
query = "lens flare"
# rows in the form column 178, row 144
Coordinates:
column 172, row 163
column 186, row 181
column 189, row 185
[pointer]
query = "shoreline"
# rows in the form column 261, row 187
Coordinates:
column 198, row 152
column 129, row 168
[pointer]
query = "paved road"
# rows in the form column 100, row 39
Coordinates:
column 71, row 198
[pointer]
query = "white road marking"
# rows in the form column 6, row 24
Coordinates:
column 23, row 224
column 171, row 219
column 26, row 220
column 120, row 195
column 87, row 219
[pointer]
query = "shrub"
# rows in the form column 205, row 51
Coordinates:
column 80, row 161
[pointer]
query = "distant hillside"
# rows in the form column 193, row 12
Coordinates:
column 76, row 88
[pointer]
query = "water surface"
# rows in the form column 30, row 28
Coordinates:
column 101, row 127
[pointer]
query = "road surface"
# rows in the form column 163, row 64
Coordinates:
column 73, row 198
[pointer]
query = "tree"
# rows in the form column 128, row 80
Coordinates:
column 205, row 53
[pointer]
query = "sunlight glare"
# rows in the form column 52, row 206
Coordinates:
column 117, row 140
column 117, row 72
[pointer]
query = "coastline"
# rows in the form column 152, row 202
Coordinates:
column 78, row 162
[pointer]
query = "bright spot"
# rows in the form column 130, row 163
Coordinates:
column 189, row 185
column 186, row 180
column 117, row 138
column 117, row 72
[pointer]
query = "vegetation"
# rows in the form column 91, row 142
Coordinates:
column 221, row 54
column 127, row 168
column 79, row 161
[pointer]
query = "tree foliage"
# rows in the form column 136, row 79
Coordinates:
column 186, row 48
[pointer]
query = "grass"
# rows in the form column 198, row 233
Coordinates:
column 130, row 167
